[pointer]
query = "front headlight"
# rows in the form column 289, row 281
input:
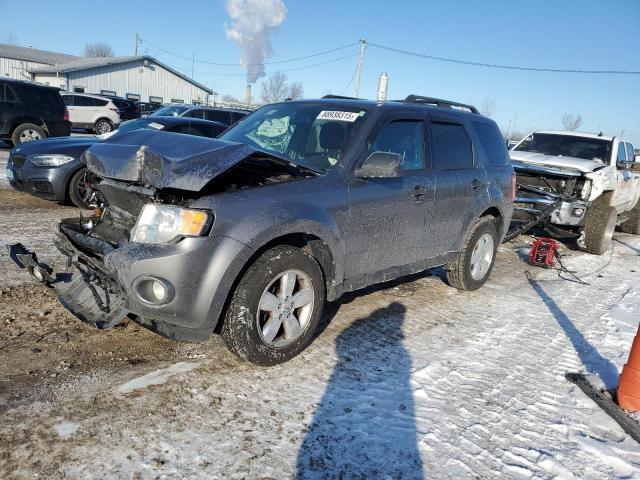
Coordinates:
column 164, row 223
column 49, row 160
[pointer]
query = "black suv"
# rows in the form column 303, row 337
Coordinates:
column 128, row 109
column 29, row 111
column 228, row 116
column 248, row 235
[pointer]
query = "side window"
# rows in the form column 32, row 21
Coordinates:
column 3, row 95
column 69, row 100
column 218, row 116
column 195, row 113
column 80, row 101
column 404, row 137
column 236, row 117
column 184, row 128
column 451, row 147
column 492, row 143
column 622, row 154
column 98, row 102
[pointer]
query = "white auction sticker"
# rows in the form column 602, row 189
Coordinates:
column 340, row 116
column 157, row 126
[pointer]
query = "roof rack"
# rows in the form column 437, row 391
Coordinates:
column 439, row 103
column 340, row 97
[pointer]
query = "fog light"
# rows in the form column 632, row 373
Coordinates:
column 153, row 290
column 158, row 290
column 578, row 212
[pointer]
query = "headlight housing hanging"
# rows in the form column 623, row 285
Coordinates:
column 51, row 160
column 158, row 224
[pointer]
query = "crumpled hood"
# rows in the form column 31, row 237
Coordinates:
column 163, row 159
column 61, row 145
column 580, row 164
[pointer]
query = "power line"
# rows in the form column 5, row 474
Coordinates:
column 168, row 52
column 344, row 90
column 271, row 72
column 504, row 67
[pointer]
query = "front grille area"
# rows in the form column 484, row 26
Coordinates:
column 17, row 160
column 129, row 202
column 42, row 186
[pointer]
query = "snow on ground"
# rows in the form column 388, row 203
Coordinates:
column 411, row 379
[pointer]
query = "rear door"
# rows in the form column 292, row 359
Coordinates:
column 9, row 107
column 624, row 195
column 388, row 216
column 460, row 182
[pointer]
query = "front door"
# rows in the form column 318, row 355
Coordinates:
column 388, row 216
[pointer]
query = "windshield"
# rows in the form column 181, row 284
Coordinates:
column 309, row 134
column 567, row 146
column 170, row 111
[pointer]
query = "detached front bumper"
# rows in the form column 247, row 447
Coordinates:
column 196, row 273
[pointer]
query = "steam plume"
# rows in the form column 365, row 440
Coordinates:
column 253, row 22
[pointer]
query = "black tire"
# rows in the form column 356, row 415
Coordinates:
column 599, row 224
column 27, row 132
column 632, row 224
column 459, row 274
column 102, row 125
column 240, row 331
column 76, row 187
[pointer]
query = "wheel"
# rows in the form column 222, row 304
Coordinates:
column 276, row 307
column 26, row 133
column 103, row 126
column 599, row 224
column 477, row 257
column 79, row 193
column 632, row 224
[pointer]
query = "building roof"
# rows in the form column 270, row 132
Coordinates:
column 34, row 55
column 96, row 62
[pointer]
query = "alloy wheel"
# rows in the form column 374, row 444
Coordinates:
column 285, row 308
column 482, row 256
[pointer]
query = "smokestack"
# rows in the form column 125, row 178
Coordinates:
column 253, row 21
column 383, row 84
column 247, row 94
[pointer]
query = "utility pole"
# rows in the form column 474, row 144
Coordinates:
column 135, row 48
column 363, row 46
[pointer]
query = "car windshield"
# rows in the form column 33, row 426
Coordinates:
column 169, row 111
column 567, row 146
column 131, row 125
column 309, row 134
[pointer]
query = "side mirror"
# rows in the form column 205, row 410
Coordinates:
column 381, row 165
column 623, row 165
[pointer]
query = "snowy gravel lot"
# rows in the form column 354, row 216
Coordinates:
column 410, row 379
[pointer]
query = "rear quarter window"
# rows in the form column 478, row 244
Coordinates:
column 492, row 143
column 39, row 96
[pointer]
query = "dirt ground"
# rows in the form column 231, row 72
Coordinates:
column 411, row 376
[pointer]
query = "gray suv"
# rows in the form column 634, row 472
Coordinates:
column 250, row 234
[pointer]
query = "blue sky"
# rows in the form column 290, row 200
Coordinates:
column 586, row 34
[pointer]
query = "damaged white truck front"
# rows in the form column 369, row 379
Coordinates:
column 577, row 184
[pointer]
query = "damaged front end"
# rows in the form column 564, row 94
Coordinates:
column 146, row 252
column 555, row 197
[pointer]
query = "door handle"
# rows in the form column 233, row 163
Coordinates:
column 419, row 192
column 475, row 184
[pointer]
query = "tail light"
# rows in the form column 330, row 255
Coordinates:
column 66, row 114
column 114, row 110
column 513, row 187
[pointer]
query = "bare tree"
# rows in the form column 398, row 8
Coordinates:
column 571, row 122
column 11, row 39
column 274, row 88
column 488, row 107
column 229, row 99
column 296, row 90
column 98, row 49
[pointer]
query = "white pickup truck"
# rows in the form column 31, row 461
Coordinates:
column 578, row 184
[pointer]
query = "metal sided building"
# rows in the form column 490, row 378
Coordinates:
column 16, row 62
column 140, row 78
